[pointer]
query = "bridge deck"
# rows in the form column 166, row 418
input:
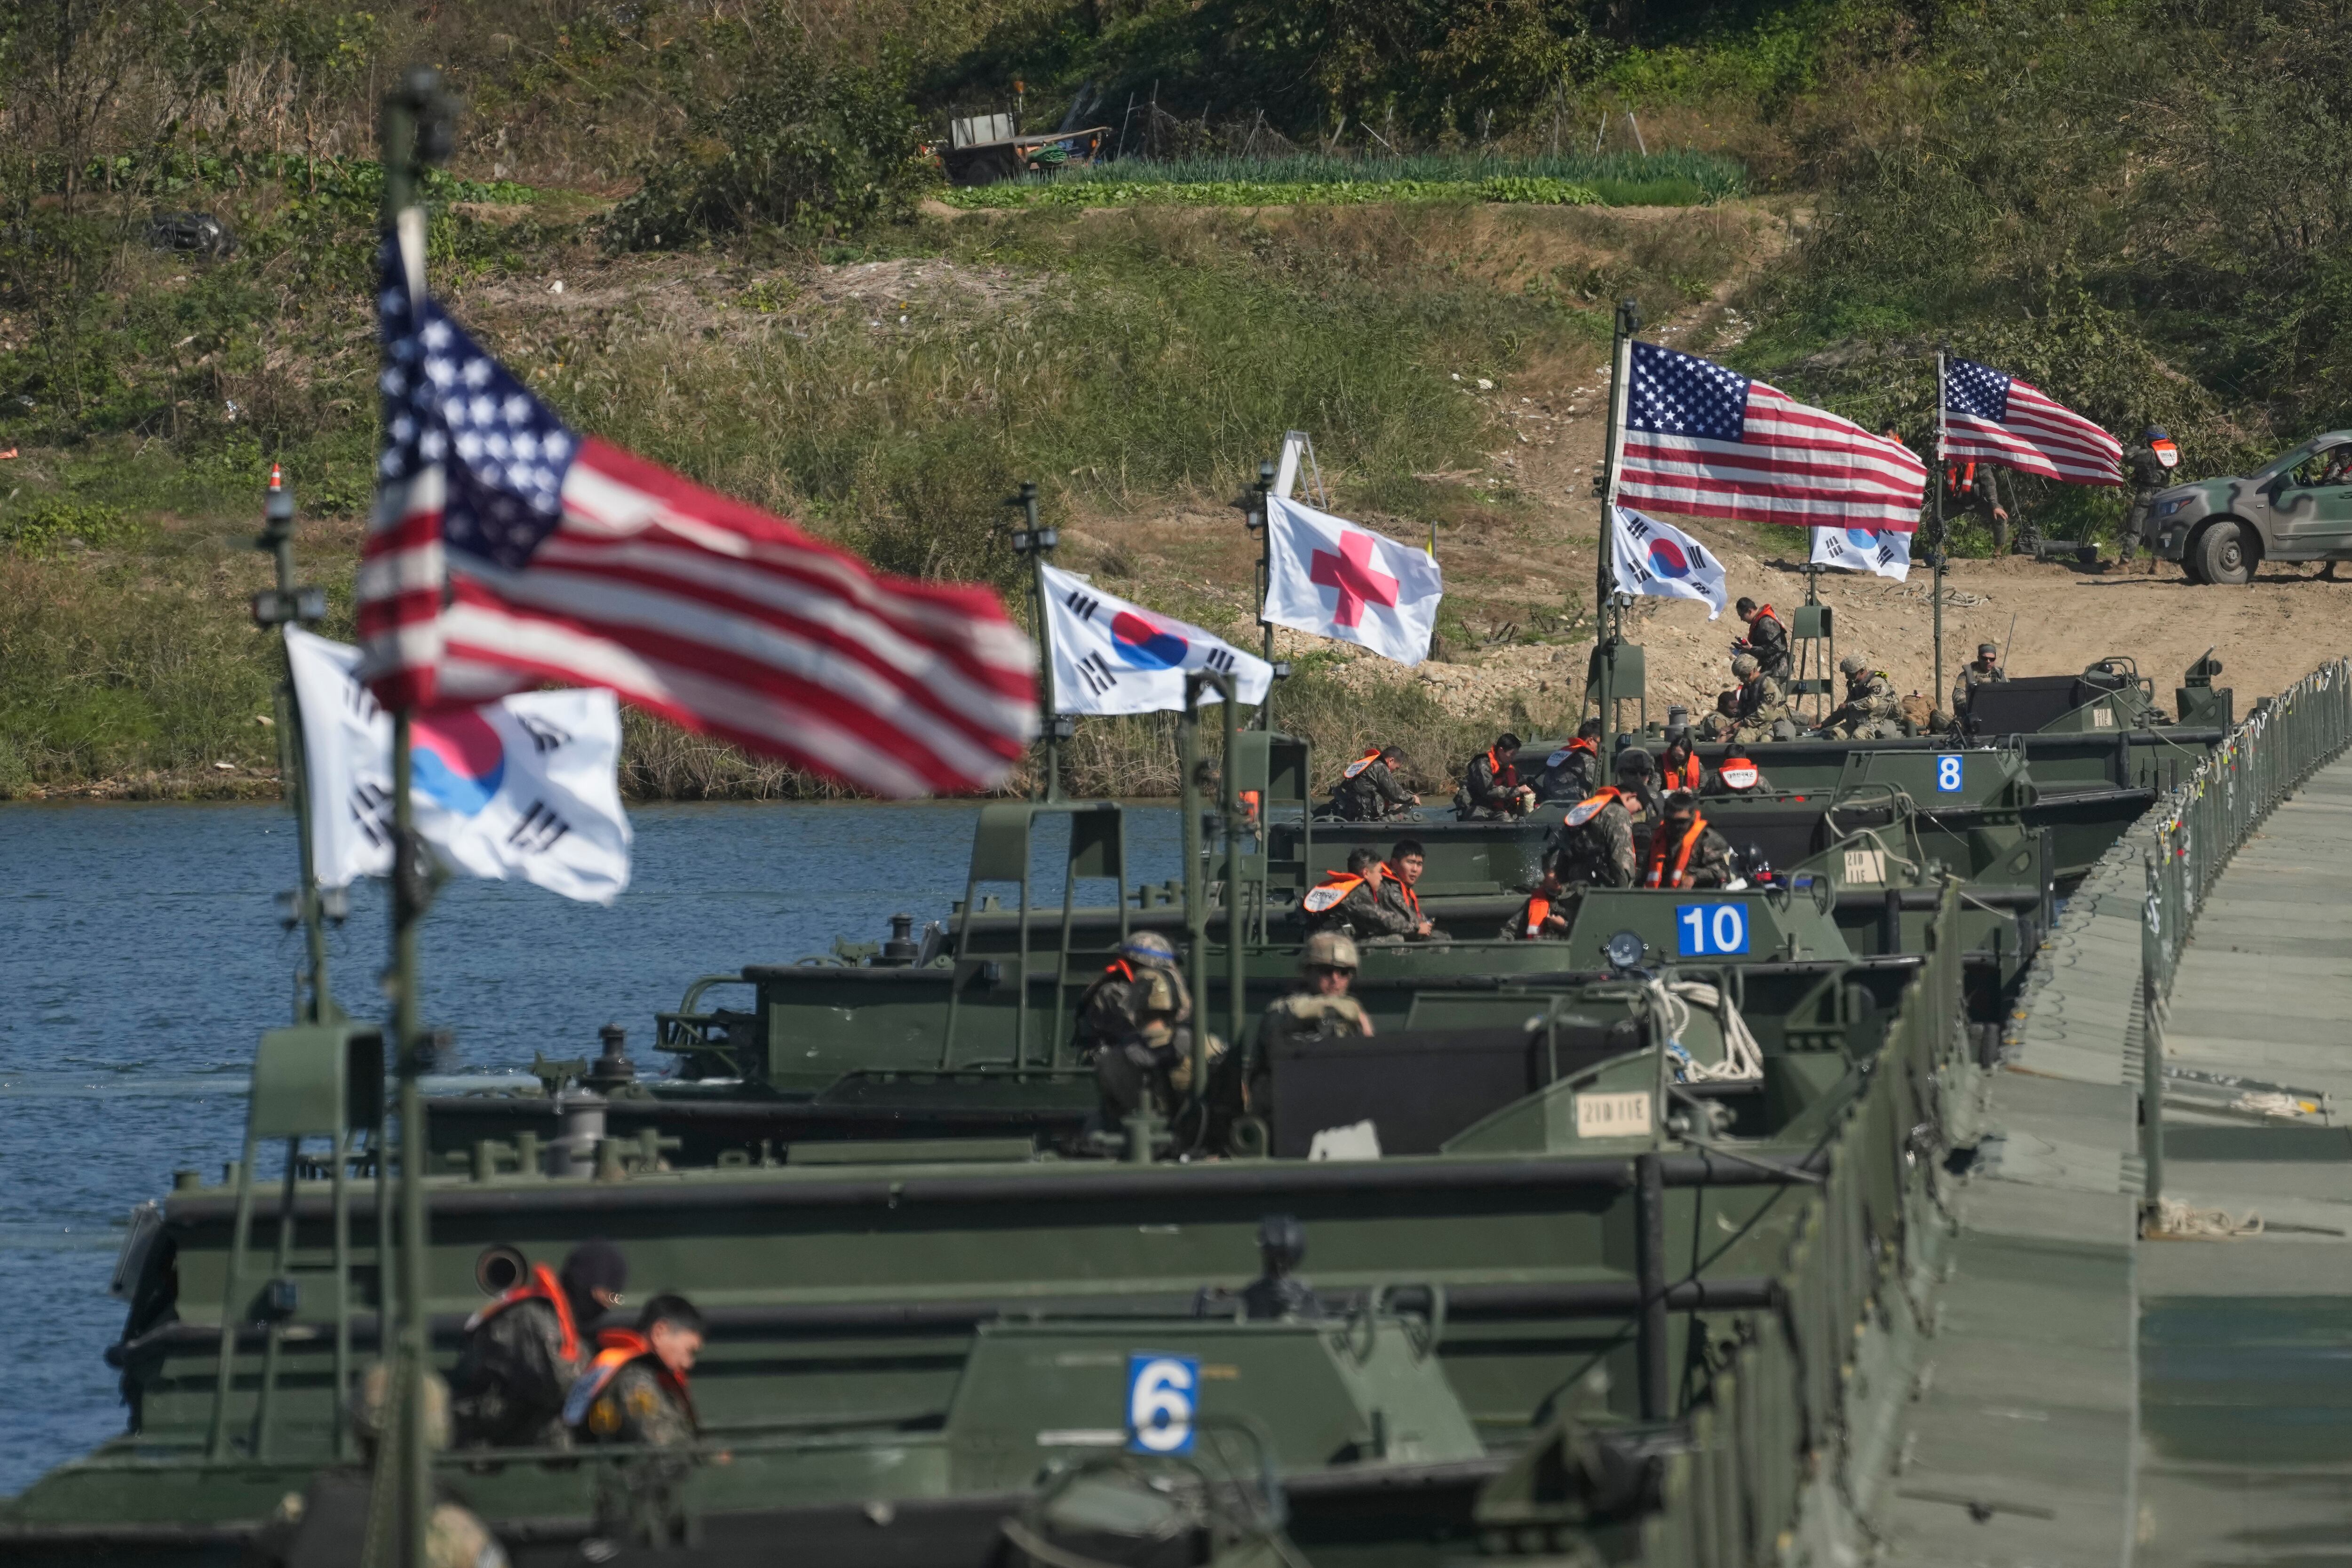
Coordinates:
column 2245, row 1344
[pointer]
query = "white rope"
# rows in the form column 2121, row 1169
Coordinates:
column 2178, row 1221
column 2273, row 1103
column 1743, row 1059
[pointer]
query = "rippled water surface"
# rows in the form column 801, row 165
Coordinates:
column 141, row 955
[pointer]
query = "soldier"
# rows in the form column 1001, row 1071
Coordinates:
column 1106, row 1009
column 522, row 1351
column 1321, row 1006
column 1985, row 666
column 1594, row 845
column 1350, row 901
column 1738, row 776
column 1152, row 1063
column 1637, row 780
column 1405, row 864
column 1277, row 1291
column 328, row 1522
column 1766, row 641
column 2150, row 465
column 1574, row 771
column 1490, row 784
column 1684, row 852
column 1979, row 488
column 1719, row 724
column 1677, row 768
column 1368, row 790
column 1546, row 916
column 1868, row 711
column 635, row 1390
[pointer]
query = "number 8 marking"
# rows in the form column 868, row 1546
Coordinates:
column 1947, row 773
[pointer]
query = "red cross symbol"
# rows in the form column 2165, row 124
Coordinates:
column 1351, row 573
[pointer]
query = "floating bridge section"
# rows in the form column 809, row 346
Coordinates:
column 2136, row 1347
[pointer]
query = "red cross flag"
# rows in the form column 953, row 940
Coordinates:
column 1336, row 580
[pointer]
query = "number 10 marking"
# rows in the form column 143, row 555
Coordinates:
column 1706, row 929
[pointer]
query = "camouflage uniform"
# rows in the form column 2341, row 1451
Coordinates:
column 2148, row 475
column 1984, row 494
column 1303, row 1016
column 1107, row 1009
column 511, row 1377
column 1599, row 852
column 640, row 1406
column 1763, row 713
column 1575, row 776
column 1971, row 676
column 1372, row 795
column 1768, row 640
column 1710, row 864
column 1401, row 912
column 1366, row 911
column 1490, row 788
column 1716, row 785
column 1868, row 711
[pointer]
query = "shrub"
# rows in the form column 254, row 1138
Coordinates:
column 41, row 525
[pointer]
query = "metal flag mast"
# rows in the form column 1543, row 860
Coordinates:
column 1936, row 483
column 1256, row 517
column 1612, row 611
column 419, row 129
column 1037, row 544
column 288, row 604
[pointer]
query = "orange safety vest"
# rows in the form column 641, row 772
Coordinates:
column 1404, row 891
column 1585, row 810
column 1959, row 479
column 1740, row 773
column 1659, row 876
column 1360, row 764
column 543, row 1286
column 620, row 1347
column 1531, row 919
column 1690, row 775
column 1331, row 893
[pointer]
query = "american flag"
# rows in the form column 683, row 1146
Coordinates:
column 507, row 551
column 1988, row 415
column 1705, row 440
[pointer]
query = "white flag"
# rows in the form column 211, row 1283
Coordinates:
column 1111, row 657
column 1340, row 580
column 1662, row 561
column 1881, row 551
column 527, row 786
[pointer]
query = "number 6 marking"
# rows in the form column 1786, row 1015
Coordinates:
column 1160, row 1390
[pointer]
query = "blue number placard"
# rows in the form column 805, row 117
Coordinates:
column 1160, row 1395
column 1706, row 930
column 1948, row 773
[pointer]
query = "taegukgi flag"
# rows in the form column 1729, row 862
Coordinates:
column 1336, row 580
column 1662, row 562
column 1111, row 657
column 527, row 786
column 1881, row 551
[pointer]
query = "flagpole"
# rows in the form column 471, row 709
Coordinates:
column 289, row 604
column 1257, row 514
column 1036, row 544
column 1620, row 350
column 1936, row 483
column 418, row 131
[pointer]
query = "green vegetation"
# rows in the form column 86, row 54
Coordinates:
column 1114, row 192
column 1679, row 179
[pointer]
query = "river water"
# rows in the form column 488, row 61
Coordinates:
column 141, row 955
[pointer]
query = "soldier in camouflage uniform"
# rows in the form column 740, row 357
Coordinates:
column 1766, row 641
column 1153, row 1064
column 1979, row 487
column 1368, row 790
column 635, row 1390
column 2149, row 473
column 1868, row 711
column 522, row 1351
column 1547, row 915
column 1321, row 1009
column 1985, row 666
column 1684, row 852
column 1594, row 847
column 1719, row 724
column 1351, row 902
column 1572, row 771
column 328, row 1521
column 1107, row 1009
column 1399, row 903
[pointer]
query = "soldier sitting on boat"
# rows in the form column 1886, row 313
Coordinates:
column 1547, row 914
column 636, row 1391
column 1685, row 851
column 1737, row 776
column 1151, row 1064
column 1349, row 901
column 1321, row 1006
column 1678, row 768
column 522, row 1351
column 327, row 1522
column 1594, row 847
column 1868, row 711
column 1106, row 1007
column 1574, row 771
column 1984, row 668
column 1491, row 790
column 1399, row 905
column 1719, row 724
column 1370, row 791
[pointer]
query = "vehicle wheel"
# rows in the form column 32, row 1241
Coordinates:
column 2221, row 555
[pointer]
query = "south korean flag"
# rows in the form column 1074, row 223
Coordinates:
column 1884, row 552
column 1661, row 561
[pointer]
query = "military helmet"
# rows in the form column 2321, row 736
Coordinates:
column 1283, row 1238
column 1149, row 947
column 1635, row 760
column 1853, row 663
column 2154, row 434
column 1745, row 665
column 1331, row 950
column 1155, row 992
column 372, row 1400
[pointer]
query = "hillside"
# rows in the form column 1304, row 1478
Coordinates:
column 704, row 232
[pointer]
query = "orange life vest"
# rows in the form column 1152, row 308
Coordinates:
column 1959, row 478
column 1738, row 772
column 1331, row 892
column 619, row 1348
column 1659, row 874
column 543, row 1286
column 1532, row 918
column 1689, row 775
column 1585, row 810
column 1404, row 891
column 1360, row 764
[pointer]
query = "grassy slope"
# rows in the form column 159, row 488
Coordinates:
column 1139, row 362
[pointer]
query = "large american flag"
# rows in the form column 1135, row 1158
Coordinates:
column 1991, row 416
column 1705, row 440
column 507, row 551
